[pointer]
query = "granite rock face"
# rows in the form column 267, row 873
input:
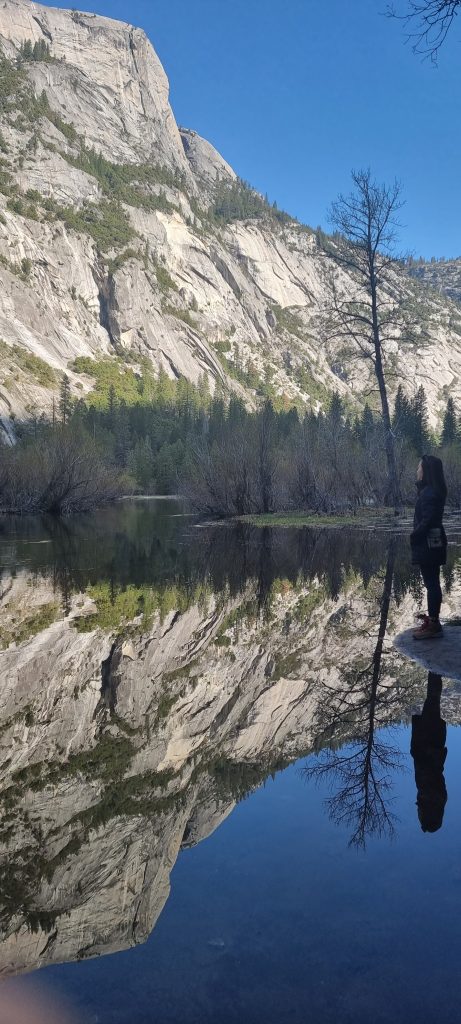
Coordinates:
column 443, row 658
column 443, row 276
column 193, row 294
column 106, row 80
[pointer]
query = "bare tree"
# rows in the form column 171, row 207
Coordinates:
column 65, row 475
column 367, row 311
column 428, row 23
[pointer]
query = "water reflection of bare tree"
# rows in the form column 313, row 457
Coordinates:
column 360, row 773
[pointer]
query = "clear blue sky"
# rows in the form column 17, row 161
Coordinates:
column 294, row 93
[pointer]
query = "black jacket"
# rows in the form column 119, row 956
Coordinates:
column 428, row 539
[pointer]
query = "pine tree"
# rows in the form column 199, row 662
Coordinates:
column 183, row 398
column 166, row 465
column 112, row 402
column 367, row 423
column 421, row 421
column 41, row 51
column 141, row 463
column 450, row 424
column 401, row 407
column 122, row 437
column 203, row 387
column 65, row 400
column 217, row 419
column 26, row 52
column 336, row 410
column 252, row 376
column 165, row 389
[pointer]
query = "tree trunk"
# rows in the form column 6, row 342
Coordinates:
column 393, row 494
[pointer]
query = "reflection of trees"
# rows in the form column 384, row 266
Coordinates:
column 360, row 773
column 138, row 545
column 135, row 544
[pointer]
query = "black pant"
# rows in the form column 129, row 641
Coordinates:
column 431, row 580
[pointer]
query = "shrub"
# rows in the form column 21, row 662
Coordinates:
column 164, row 280
column 181, row 314
column 123, row 257
column 106, row 222
column 127, row 182
column 111, row 374
column 61, row 474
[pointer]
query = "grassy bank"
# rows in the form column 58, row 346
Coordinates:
column 364, row 519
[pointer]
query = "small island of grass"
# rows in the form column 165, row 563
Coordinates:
column 363, row 518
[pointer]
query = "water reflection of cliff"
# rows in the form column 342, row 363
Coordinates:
column 131, row 724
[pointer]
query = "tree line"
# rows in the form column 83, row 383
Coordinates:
column 327, row 462
column 157, row 435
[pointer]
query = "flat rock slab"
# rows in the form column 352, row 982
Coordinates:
column 442, row 656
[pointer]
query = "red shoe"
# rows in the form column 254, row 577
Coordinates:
column 429, row 630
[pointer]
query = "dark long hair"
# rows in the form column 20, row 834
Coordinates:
column 433, row 475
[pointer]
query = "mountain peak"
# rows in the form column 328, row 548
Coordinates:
column 128, row 116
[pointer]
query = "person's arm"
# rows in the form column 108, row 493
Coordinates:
column 430, row 518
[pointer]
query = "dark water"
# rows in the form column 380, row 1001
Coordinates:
column 221, row 710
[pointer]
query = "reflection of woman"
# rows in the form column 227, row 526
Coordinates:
column 428, row 540
column 428, row 750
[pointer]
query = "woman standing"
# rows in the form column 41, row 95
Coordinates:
column 428, row 540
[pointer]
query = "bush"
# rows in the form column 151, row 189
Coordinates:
column 111, row 374
column 60, row 474
column 164, row 280
column 31, row 364
column 106, row 223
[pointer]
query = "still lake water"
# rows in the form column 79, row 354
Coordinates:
column 209, row 806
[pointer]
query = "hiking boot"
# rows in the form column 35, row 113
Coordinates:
column 429, row 630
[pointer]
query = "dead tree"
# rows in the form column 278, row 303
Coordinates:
column 367, row 310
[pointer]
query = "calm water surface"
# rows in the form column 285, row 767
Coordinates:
column 209, row 803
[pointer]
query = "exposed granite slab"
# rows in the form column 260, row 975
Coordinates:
column 442, row 656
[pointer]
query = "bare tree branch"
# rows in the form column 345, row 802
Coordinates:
column 428, row 23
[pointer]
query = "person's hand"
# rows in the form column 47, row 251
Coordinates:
column 21, row 1005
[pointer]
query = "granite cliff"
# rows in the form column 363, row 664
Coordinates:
column 443, row 276
column 123, row 234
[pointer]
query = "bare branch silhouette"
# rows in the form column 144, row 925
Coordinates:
column 428, row 23
column 360, row 772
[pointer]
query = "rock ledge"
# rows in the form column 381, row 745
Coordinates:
column 442, row 656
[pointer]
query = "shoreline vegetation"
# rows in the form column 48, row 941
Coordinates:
column 62, row 474
column 140, row 434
